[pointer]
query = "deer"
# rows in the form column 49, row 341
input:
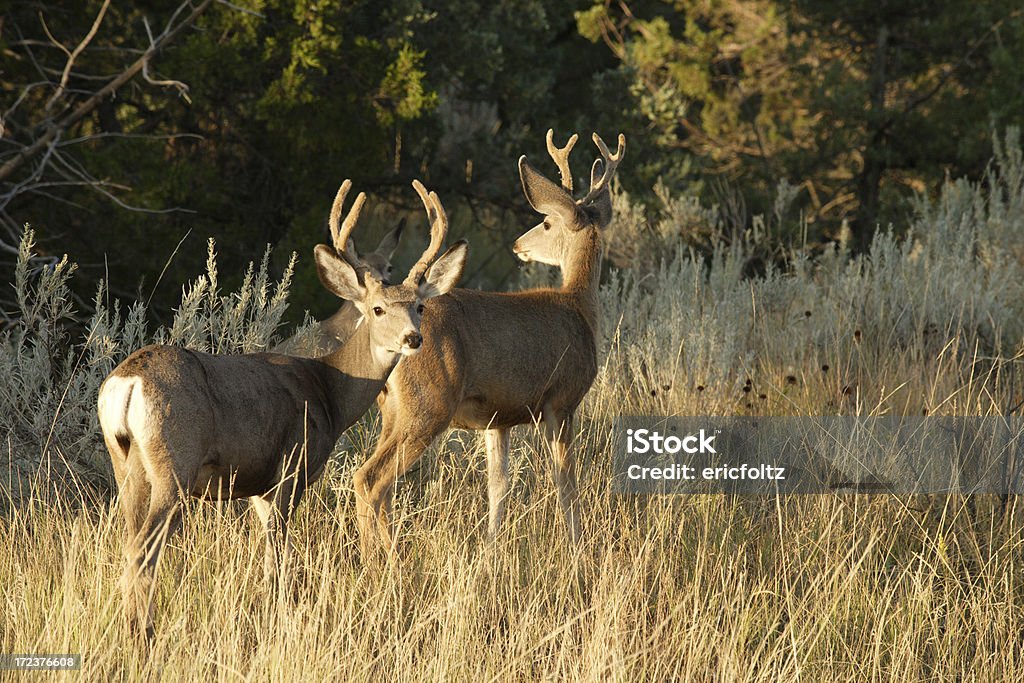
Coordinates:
column 500, row 359
column 179, row 423
column 327, row 335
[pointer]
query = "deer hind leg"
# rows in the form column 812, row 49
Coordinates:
column 133, row 494
column 558, row 431
column 162, row 519
column 496, row 441
column 133, row 498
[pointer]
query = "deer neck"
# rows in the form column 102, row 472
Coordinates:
column 581, row 276
column 358, row 376
column 343, row 322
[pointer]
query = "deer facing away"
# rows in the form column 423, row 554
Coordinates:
column 495, row 360
column 327, row 335
column 178, row 422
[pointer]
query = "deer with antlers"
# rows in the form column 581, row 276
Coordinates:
column 496, row 360
column 181, row 423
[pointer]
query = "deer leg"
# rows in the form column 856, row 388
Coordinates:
column 375, row 480
column 274, row 509
column 404, row 436
column 367, row 507
column 162, row 520
column 133, row 496
column 558, row 431
column 408, row 450
column 366, row 514
column 275, row 529
column 496, row 441
column 133, row 499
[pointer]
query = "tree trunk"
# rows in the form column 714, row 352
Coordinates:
column 870, row 179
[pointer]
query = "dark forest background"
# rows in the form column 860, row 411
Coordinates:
column 247, row 115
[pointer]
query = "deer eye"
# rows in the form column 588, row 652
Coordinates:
column 378, row 311
column 547, row 226
column 419, row 309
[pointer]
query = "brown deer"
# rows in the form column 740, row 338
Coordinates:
column 494, row 360
column 327, row 335
column 180, row 423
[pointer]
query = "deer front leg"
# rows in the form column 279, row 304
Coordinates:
column 405, row 435
column 374, row 484
column 275, row 528
column 367, row 505
column 497, row 442
column 275, row 508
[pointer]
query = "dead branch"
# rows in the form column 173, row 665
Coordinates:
column 55, row 128
column 72, row 56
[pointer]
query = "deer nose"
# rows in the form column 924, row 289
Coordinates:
column 522, row 255
column 413, row 340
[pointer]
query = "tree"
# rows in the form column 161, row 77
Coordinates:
column 857, row 101
column 54, row 99
column 284, row 99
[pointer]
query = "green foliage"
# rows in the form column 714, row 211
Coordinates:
column 858, row 107
column 855, row 101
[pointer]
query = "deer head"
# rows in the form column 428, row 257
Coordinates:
column 567, row 222
column 378, row 261
column 391, row 312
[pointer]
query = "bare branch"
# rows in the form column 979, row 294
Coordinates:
column 72, row 56
column 85, row 108
column 243, row 10
column 182, row 88
column 72, row 168
column 128, row 136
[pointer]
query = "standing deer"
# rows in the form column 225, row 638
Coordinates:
column 177, row 422
column 331, row 333
column 495, row 360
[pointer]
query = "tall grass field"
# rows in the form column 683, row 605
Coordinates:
column 710, row 587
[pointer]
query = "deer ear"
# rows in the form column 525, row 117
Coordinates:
column 444, row 273
column 388, row 245
column 545, row 196
column 336, row 275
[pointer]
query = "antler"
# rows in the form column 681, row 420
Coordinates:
column 341, row 235
column 611, row 162
column 438, row 229
column 561, row 157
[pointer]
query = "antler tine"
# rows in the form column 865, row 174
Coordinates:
column 335, row 218
column 561, row 157
column 438, row 229
column 611, row 163
column 341, row 235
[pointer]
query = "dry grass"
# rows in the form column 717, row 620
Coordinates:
column 695, row 588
